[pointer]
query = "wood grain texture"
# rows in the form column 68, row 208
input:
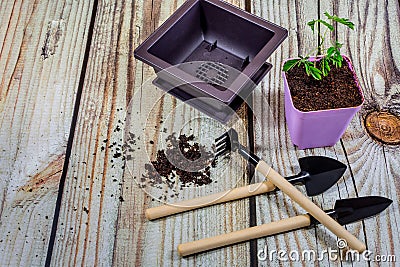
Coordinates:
column 102, row 215
column 358, row 150
column 156, row 241
column 273, row 141
column 246, row 234
column 102, row 221
column 37, row 96
column 86, row 227
column 372, row 164
column 383, row 127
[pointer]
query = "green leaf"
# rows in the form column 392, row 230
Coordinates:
column 290, row 64
column 338, row 45
column 316, row 76
column 343, row 21
column 331, row 50
column 307, row 66
column 327, row 15
column 333, row 54
column 334, row 62
column 325, row 68
column 312, row 24
column 337, row 59
column 340, row 60
column 329, row 26
column 316, row 73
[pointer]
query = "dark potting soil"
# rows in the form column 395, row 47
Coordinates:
column 162, row 171
column 337, row 90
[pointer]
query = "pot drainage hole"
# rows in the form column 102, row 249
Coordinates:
column 212, row 72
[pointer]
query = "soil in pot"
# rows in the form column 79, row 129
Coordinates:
column 337, row 90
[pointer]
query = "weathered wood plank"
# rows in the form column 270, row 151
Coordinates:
column 102, row 214
column 372, row 49
column 273, row 141
column 41, row 53
column 86, row 227
column 156, row 241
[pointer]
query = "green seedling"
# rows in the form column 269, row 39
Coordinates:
column 331, row 55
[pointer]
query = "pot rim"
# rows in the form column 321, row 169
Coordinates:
column 349, row 63
column 279, row 35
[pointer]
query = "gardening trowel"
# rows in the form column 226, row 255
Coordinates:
column 345, row 211
column 317, row 173
column 229, row 142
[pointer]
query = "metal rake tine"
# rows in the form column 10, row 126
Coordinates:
column 221, row 138
column 220, row 145
column 223, row 145
column 220, row 153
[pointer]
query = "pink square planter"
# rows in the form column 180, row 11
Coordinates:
column 318, row 128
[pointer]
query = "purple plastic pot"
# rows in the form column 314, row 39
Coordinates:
column 318, row 128
column 226, row 49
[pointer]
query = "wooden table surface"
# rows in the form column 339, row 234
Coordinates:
column 71, row 92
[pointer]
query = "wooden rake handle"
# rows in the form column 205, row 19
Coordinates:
column 191, row 204
column 201, row 245
column 309, row 206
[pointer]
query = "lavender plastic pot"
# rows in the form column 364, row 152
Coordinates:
column 318, row 128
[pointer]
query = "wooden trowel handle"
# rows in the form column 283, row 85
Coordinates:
column 244, row 235
column 191, row 204
column 309, row 206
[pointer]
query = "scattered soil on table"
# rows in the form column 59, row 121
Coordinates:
column 337, row 90
column 162, row 171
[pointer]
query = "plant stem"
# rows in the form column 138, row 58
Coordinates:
column 321, row 48
column 323, row 40
column 312, row 52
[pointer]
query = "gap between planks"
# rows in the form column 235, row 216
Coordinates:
column 71, row 135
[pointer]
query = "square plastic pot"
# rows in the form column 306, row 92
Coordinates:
column 211, row 31
column 320, row 128
column 215, row 109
